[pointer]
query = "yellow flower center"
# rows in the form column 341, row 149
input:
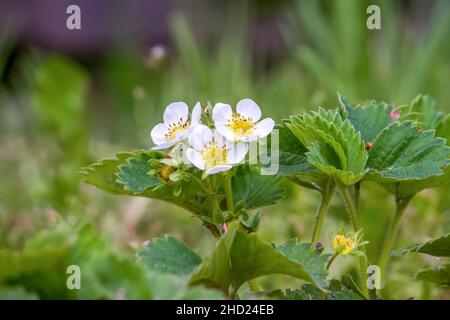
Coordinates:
column 175, row 127
column 214, row 155
column 240, row 125
column 343, row 245
column 165, row 172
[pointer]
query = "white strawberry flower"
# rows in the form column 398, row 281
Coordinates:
column 211, row 152
column 242, row 125
column 176, row 126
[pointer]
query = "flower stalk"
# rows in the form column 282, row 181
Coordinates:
column 327, row 194
column 330, row 262
column 391, row 235
column 354, row 218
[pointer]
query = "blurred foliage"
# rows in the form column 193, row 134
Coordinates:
column 56, row 115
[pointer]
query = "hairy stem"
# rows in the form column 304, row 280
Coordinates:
column 354, row 218
column 321, row 212
column 391, row 234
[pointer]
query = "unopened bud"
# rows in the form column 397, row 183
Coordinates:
column 394, row 115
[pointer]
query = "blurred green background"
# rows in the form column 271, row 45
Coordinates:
column 62, row 108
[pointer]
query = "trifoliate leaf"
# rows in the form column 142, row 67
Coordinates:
column 168, row 255
column 440, row 275
column 254, row 189
column 401, row 152
column 135, row 175
column 369, row 119
column 439, row 247
column 239, row 257
column 103, row 174
column 333, row 145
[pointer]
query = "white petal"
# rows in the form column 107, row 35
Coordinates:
column 225, row 131
column 236, row 153
column 218, row 169
column 222, row 112
column 164, row 145
column 249, row 109
column 219, row 138
column 200, row 136
column 264, row 127
column 158, row 133
column 182, row 134
column 250, row 138
column 196, row 114
column 176, row 112
column 195, row 158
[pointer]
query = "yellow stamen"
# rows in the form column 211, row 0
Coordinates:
column 344, row 245
column 214, row 155
column 175, row 127
column 241, row 125
column 165, row 172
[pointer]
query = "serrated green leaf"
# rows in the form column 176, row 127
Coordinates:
column 369, row 119
column 294, row 163
column 306, row 292
column 333, row 145
column 439, row 247
column 254, row 189
column 407, row 188
column 440, row 275
column 168, row 255
column 135, row 175
column 423, row 110
column 401, row 152
column 239, row 257
column 292, row 157
column 312, row 261
column 338, row 291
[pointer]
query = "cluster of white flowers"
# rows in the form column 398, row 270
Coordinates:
column 212, row 149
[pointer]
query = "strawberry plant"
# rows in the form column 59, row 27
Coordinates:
column 210, row 162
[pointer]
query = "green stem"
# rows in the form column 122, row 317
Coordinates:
column 229, row 193
column 321, row 212
column 357, row 195
column 354, row 218
column 330, row 262
column 391, row 234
